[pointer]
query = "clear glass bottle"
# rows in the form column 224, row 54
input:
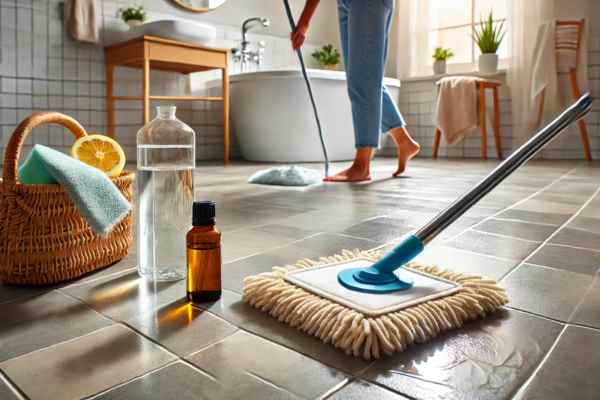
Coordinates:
column 166, row 157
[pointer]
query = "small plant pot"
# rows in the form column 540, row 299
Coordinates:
column 133, row 22
column 330, row 67
column 488, row 63
column 439, row 67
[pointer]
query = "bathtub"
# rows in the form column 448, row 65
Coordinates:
column 273, row 121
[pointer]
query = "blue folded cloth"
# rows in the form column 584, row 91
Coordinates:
column 94, row 194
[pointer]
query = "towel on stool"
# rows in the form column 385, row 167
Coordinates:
column 456, row 110
column 95, row 196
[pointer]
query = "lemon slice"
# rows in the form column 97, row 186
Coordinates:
column 101, row 152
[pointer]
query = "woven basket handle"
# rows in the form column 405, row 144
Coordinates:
column 13, row 149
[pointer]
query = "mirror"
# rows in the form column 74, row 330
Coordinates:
column 199, row 5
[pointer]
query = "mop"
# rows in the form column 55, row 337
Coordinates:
column 295, row 175
column 367, row 304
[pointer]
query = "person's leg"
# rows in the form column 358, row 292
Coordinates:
column 392, row 121
column 366, row 30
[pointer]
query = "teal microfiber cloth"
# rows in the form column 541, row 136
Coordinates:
column 95, row 196
column 286, row 176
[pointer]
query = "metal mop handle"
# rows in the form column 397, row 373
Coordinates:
column 412, row 245
column 577, row 111
column 288, row 11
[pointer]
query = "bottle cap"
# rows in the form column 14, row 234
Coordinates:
column 203, row 213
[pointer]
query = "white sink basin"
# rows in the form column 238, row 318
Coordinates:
column 185, row 31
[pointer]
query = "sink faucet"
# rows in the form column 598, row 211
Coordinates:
column 245, row 54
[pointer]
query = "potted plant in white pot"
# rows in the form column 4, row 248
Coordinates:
column 488, row 37
column 133, row 16
column 328, row 57
column 440, row 56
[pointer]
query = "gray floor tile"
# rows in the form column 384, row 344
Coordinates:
column 546, row 291
column 568, row 258
column 380, row 229
column 517, row 229
column 548, row 207
column 36, row 322
column 488, row 359
column 244, row 242
column 571, row 370
column 577, row 238
column 360, row 390
column 86, row 365
column 233, row 309
column 588, row 311
column 261, row 360
column 494, row 245
column 182, row 328
column 182, row 382
column 126, row 295
column 589, row 224
column 12, row 292
column 466, row 262
column 541, row 217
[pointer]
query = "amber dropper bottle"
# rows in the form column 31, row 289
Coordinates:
column 203, row 255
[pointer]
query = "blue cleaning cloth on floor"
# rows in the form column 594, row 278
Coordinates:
column 286, row 176
column 96, row 197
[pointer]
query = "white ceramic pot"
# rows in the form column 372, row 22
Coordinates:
column 439, row 67
column 133, row 22
column 488, row 63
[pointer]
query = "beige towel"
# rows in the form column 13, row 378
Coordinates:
column 82, row 20
column 456, row 110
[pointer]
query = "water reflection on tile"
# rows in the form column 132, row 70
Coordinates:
column 182, row 328
column 126, row 295
column 487, row 359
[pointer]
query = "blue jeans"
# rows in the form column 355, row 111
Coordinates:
column 364, row 29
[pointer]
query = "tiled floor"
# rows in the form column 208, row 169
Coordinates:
column 112, row 336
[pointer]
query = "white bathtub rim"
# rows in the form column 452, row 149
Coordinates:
column 312, row 74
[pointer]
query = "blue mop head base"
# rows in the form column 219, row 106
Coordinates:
column 286, row 176
column 380, row 277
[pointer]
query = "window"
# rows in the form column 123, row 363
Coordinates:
column 451, row 26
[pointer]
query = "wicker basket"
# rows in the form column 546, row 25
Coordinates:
column 43, row 238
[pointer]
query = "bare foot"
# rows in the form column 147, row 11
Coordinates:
column 406, row 146
column 352, row 174
column 359, row 170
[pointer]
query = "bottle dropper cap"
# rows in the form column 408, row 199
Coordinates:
column 203, row 213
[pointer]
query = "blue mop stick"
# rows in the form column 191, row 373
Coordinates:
column 288, row 11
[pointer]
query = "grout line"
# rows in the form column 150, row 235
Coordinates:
column 525, row 222
column 521, row 391
column 501, row 235
column 583, row 298
column 345, row 382
column 558, row 229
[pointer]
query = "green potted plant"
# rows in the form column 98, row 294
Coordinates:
column 488, row 36
column 133, row 16
column 440, row 56
column 328, row 57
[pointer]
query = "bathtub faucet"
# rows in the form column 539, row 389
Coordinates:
column 244, row 54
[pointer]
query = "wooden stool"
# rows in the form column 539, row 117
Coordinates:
column 482, row 85
column 148, row 52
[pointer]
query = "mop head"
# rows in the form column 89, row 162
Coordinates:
column 367, row 325
column 286, row 176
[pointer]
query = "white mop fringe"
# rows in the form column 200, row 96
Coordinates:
column 369, row 337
